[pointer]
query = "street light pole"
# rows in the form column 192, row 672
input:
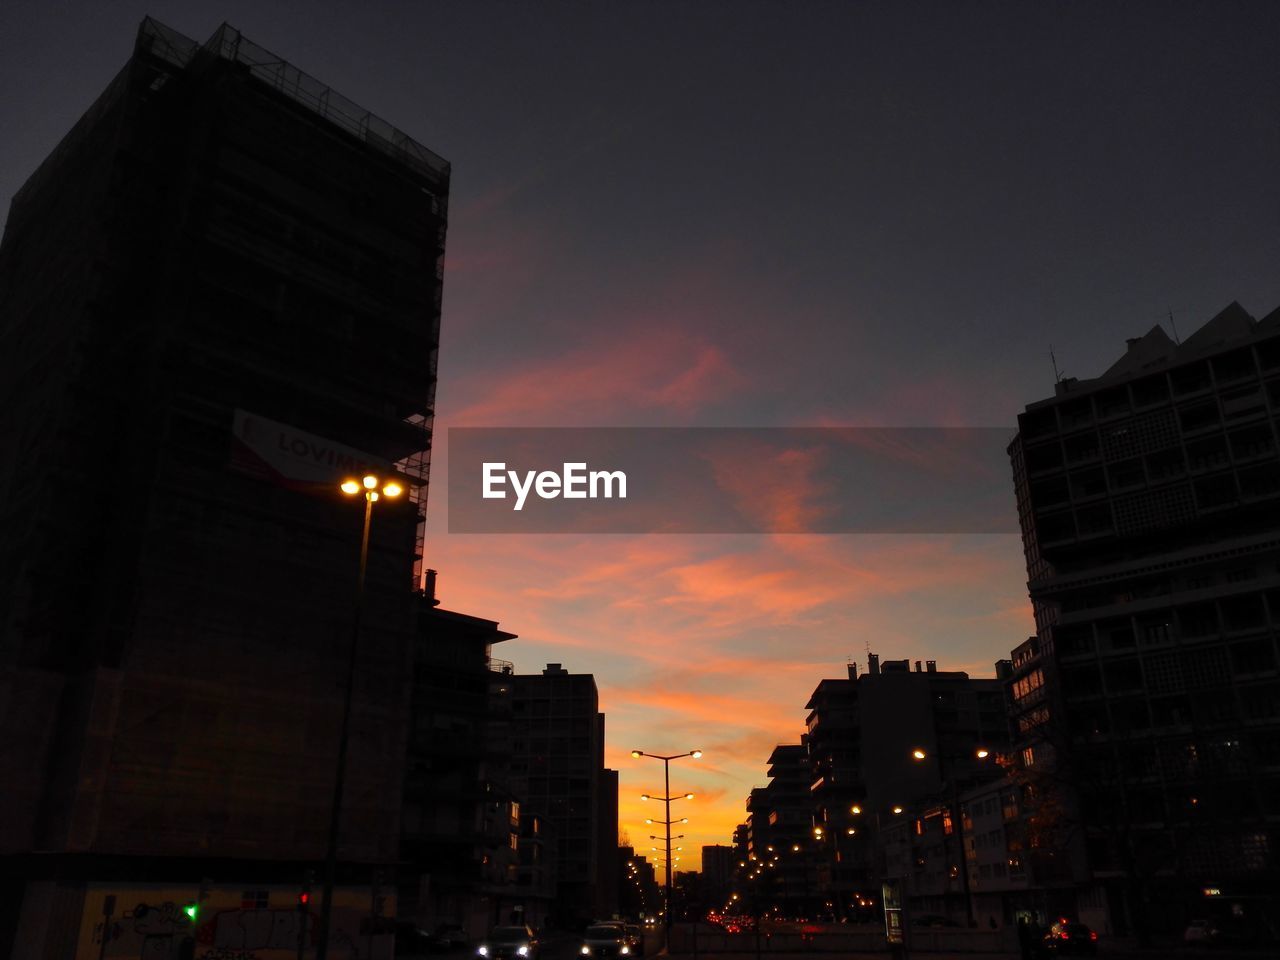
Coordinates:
column 945, row 765
column 369, row 486
column 666, row 798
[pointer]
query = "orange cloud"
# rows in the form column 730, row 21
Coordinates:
column 716, row 642
column 778, row 487
column 656, row 368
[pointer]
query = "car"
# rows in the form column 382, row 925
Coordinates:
column 1070, row 937
column 608, row 940
column 506, row 943
column 448, row 936
column 1202, row 931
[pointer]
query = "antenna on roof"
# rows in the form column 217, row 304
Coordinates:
column 1057, row 374
column 1176, row 338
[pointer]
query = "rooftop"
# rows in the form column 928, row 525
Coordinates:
column 1156, row 350
column 230, row 44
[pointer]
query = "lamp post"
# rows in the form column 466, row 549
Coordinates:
column 888, row 882
column 373, row 488
column 957, row 818
column 666, row 798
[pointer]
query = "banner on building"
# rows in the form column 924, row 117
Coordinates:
column 283, row 454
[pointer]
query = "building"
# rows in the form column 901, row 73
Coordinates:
column 219, row 294
column 557, row 749
column 640, row 896
column 461, row 827
column 790, row 854
column 1147, row 499
column 717, row 873
column 863, row 732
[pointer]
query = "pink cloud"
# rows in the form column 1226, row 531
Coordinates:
column 779, row 487
column 664, row 371
column 717, row 642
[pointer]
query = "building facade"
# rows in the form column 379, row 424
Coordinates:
column 1147, row 499
column 863, row 735
column 461, row 829
column 557, row 740
column 218, row 295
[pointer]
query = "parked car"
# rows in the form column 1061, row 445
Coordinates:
column 608, row 940
column 1070, row 937
column 1202, row 932
column 504, row 943
column 448, row 936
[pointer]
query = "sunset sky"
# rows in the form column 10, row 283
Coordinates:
column 766, row 214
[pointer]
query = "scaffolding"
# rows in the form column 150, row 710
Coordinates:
column 229, row 44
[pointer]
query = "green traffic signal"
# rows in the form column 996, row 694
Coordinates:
column 191, row 909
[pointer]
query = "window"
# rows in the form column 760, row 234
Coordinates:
column 1028, row 685
column 1009, row 805
column 1033, row 719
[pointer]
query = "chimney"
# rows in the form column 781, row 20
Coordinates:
column 918, row 666
column 873, row 664
column 430, row 589
column 853, row 670
column 553, row 669
column 931, row 666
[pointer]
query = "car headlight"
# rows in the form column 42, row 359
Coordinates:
column 625, row 950
column 482, row 950
column 586, row 951
column 523, row 949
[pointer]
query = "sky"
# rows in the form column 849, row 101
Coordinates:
column 765, row 214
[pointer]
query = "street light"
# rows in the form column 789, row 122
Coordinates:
column 373, row 488
column 957, row 818
column 667, row 798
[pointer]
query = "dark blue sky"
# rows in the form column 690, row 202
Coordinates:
column 849, row 200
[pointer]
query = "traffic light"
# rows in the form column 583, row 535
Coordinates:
column 192, row 909
column 304, row 894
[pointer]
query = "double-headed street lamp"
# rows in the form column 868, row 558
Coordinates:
column 373, row 488
column 666, row 798
column 957, row 818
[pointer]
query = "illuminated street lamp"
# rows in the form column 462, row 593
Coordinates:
column 979, row 753
column 372, row 488
column 667, row 798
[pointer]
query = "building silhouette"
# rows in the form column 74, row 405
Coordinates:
column 813, row 841
column 1148, row 505
column 557, row 766
column 717, row 871
column 463, row 835
column 862, row 732
column 218, row 294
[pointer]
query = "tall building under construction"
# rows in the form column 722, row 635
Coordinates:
column 218, row 294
